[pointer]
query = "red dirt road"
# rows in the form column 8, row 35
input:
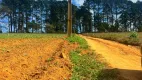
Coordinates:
column 125, row 58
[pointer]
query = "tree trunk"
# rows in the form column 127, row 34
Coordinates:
column 116, row 13
column 19, row 17
column 80, row 26
column 107, row 19
column 27, row 22
column 11, row 22
column 41, row 20
column 22, row 23
column 14, row 21
column 112, row 17
column 69, row 19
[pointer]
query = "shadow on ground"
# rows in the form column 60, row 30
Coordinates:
column 120, row 74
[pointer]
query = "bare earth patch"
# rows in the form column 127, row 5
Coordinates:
column 35, row 59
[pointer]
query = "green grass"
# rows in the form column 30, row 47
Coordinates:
column 86, row 67
column 118, row 37
column 25, row 35
column 82, row 42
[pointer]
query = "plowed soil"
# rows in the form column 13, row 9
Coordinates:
column 35, row 59
column 127, row 59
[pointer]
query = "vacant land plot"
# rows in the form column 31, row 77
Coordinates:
column 49, row 57
column 34, row 56
column 119, row 37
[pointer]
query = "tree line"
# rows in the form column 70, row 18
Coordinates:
column 49, row 16
column 115, row 15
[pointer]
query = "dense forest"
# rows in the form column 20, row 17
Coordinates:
column 49, row 16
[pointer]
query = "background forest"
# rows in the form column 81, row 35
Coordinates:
column 49, row 16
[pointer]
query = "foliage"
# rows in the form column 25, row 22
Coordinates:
column 93, row 15
column 22, row 12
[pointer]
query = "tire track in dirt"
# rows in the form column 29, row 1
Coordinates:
column 125, row 58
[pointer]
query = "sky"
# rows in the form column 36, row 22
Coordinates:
column 77, row 2
column 80, row 2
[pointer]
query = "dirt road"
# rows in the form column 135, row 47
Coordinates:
column 125, row 58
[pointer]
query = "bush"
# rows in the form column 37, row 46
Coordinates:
column 134, row 35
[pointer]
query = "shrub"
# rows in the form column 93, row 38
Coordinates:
column 134, row 35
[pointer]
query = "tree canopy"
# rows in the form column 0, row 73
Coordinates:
column 51, row 16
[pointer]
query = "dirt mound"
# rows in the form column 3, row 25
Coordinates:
column 35, row 59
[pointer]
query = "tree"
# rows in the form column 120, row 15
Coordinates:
column 69, row 32
column 93, row 15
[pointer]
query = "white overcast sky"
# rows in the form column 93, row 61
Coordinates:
column 80, row 2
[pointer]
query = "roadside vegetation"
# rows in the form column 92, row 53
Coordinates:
column 129, row 38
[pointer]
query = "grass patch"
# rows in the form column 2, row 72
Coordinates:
column 30, row 35
column 86, row 67
column 82, row 42
column 128, row 38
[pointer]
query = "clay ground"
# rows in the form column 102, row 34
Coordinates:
column 35, row 59
column 127, row 59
